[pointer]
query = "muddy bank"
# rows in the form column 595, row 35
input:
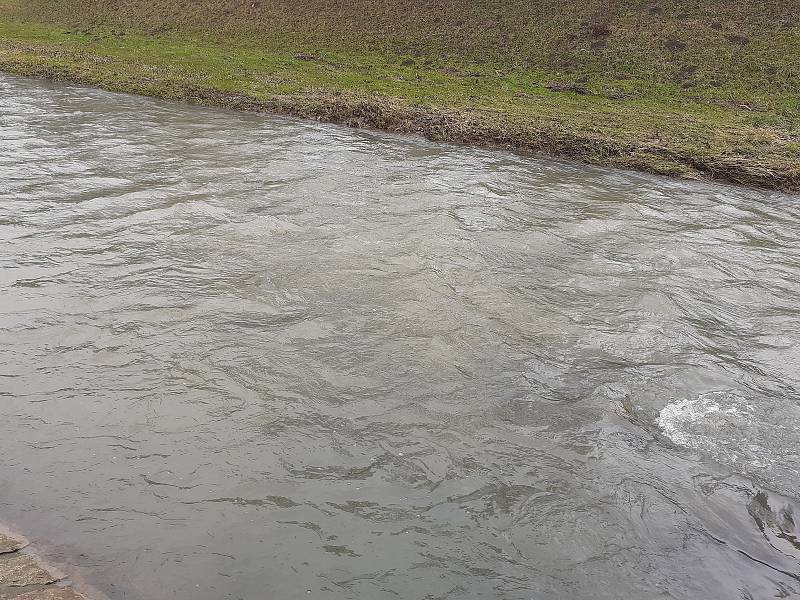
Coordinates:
column 470, row 126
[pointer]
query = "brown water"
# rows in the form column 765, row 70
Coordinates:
column 248, row 357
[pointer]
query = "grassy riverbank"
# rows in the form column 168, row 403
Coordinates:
column 708, row 90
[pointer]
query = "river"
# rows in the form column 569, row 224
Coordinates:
column 245, row 357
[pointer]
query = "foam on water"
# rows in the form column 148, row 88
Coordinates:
column 756, row 441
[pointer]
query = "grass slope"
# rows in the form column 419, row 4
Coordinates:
column 695, row 89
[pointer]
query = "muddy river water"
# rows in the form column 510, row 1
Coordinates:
column 246, row 357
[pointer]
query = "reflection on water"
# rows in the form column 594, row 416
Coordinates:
column 242, row 356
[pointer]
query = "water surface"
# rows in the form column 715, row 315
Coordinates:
column 244, row 357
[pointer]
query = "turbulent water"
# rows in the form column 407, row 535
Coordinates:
column 244, row 357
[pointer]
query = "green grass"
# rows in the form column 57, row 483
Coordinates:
column 676, row 94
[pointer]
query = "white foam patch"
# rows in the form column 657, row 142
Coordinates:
column 754, row 438
column 688, row 422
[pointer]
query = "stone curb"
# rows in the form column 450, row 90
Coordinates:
column 24, row 576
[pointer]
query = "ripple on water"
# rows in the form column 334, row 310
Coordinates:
column 245, row 356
